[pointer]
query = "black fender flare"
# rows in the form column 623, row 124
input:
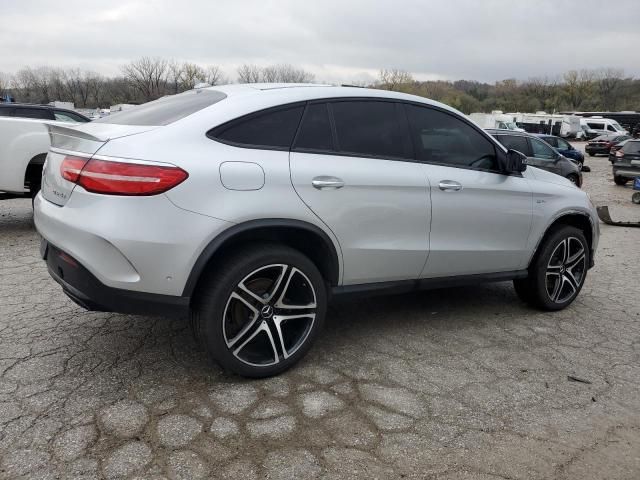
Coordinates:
column 227, row 235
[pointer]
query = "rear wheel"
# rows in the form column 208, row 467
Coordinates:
column 620, row 180
column 573, row 179
column 635, row 198
column 260, row 312
column 558, row 271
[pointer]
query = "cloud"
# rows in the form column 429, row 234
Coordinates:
column 340, row 41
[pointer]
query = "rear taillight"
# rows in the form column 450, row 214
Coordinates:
column 71, row 167
column 619, row 154
column 121, row 178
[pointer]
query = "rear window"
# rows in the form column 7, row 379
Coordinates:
column 165, row 110
column 516, row 142
column 39, row 113
column 631, row 147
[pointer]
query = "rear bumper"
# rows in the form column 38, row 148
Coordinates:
column 88, row 292
column 627, row 172
column 597, row 150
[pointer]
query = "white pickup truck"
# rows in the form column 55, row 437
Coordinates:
column 24, row 143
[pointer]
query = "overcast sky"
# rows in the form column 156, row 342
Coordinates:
column 338, row 40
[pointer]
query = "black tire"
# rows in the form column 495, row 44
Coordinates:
column 541, row 288
column 573, row 178
column 247, row 349
column 622, row 181
column 635, row 198
column 591, row 154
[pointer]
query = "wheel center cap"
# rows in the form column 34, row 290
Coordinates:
column 266, row 311
column 562, row 269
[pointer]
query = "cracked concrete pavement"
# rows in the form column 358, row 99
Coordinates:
column 453, row 384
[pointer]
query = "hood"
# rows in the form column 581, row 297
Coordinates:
column 549, row 177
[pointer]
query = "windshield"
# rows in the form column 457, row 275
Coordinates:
column 511, row 125
column 616, row 125
column 165, row 110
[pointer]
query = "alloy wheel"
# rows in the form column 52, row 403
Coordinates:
column 269, row 315
column 566, row 270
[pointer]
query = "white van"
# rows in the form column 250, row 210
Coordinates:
column 602, row 125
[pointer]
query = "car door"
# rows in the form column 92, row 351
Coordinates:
column 480, row 217
column 543, row 156
column 352, row 164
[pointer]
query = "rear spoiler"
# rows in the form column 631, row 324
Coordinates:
column 69, row 138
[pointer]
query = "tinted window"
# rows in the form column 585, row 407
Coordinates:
column 371, row 128
column 165, row 110
column 563, row 144
column 551, row 141
column 442, row 138
column 40, row 113
column 542, row 150
column 596, row 126
column 315, row 129
column 515, row 142
column 273, row 128
column 631, row 147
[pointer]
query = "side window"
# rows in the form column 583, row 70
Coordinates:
column 596, row 126
column 542, row 150
column 270, row 129
column 563, row 144
column 551, row 141
column 40, row 113
column 611, row 129
column 315, row 130
column 371, row 128
column 440, row 137
column 515, row 142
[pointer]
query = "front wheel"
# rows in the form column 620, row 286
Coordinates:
column 261, row 310
column 558, row 271
column 573, row 179
column 620, row 180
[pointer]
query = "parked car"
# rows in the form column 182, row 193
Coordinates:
column 614, row 148
column 626, row 164
column 602, row 144
column 24, row 143
column 540, row 154
column 41, row 112
column 247, row 207
column 564, row 148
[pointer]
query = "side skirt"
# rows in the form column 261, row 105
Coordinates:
column 404, row 286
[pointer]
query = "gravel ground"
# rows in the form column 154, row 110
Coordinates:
column 460, row 383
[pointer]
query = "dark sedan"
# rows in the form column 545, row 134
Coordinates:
column 615, row 148
column 539, row 154
column 563, row 148
column 603, row 143
column 626, row 164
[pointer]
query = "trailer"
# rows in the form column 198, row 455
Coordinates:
column 496, row 119
column 629, row 120
column 560, row 125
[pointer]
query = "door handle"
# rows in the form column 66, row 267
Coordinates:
column 449, row 186
column 324, row 182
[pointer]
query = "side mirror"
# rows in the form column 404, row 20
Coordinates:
column 516, row 161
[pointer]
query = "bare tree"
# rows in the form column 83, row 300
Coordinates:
column 214, row 75
column 249, row 73
column 393, row 79
column 608, row 82
column 577, row 87
column 148, row 76
column 175, row 76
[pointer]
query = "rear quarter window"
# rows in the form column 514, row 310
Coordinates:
column 272, row 129
column 165, row 110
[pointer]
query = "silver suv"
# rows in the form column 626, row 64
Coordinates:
column 247, row 207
